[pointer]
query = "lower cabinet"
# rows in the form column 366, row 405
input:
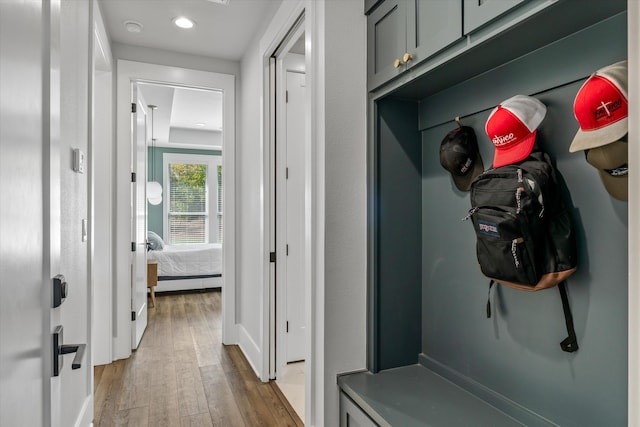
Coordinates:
column 351, row 415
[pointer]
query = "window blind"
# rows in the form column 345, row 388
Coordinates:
column 188, row 207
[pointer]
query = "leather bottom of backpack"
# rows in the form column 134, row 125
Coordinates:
column 548, row 280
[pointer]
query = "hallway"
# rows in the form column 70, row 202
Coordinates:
column 182, row 375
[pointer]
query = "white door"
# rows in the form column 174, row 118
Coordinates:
column 138, row 218
column 43, row 204
column 294, row 282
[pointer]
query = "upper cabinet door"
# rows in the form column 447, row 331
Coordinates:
column 432, row 25
column 479, row 12
column 369, row 5
column 386, row 41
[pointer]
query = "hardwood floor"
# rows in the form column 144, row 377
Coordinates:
column 182, row 375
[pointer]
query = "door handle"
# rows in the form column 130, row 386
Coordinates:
column 60, row 350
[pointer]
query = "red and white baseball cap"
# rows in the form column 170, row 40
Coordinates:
column 601, row 108
column 511, row 127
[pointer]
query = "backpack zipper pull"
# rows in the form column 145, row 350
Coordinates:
column 520, row 175
column 470, row 214
column 514, row 242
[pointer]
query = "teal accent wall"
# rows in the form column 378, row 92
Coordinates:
column 515, row 356
column 154, row 213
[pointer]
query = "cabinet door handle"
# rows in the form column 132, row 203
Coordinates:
column 407, row 57
column 398, row 63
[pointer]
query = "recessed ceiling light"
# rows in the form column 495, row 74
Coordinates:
column 133, row 26
column 200, row 124
column 184, row 22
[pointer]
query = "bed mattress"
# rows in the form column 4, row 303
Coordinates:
column 188, row 260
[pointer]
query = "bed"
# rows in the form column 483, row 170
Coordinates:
column 188, row 266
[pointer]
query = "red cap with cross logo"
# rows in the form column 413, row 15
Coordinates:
column 601, row 108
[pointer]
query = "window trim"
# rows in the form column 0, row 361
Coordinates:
column 212, row 162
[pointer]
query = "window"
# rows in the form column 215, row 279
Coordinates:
column 193, row 187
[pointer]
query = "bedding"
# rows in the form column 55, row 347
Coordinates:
column 188, row 261
column 154, row 241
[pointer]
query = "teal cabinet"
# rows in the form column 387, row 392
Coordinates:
column 369, row 5
column 403, row 33
column 386, row 42
column 479, row 12
column 432, row 25
column 423, row 295
column 351, row 415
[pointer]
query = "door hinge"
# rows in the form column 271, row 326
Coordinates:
column 272, row 257
column 134, row 177
column 286, row 96
column 133, row 316
column 134, row 108
column 133, row 246
column 287, row 326
column 286, row 173
column 287, row 249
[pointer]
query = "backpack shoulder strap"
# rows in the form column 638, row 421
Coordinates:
column 569, row 344
column 539, row 166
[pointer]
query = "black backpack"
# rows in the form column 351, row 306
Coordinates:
column 525, row 236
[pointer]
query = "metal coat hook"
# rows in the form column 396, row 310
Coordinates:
column 458, row 121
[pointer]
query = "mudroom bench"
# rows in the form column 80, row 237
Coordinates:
column 412, row 396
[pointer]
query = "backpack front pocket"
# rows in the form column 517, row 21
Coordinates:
column 504, row 247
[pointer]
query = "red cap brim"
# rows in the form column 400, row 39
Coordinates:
column 515, row 153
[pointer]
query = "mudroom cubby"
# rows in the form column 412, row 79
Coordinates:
column 433, row 356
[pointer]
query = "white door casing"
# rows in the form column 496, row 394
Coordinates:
column 138, row 217
column 288, row 212
column 294, row 211
column 102, row 201
column 127, row 72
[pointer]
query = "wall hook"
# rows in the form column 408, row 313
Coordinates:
column 458, row 121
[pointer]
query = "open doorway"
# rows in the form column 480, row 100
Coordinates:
column 288, row 195
column 170, row 79
column 185, row 222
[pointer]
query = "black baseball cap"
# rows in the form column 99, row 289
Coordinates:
column 460, row 156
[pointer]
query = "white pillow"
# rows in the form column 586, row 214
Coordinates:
column 154, row 241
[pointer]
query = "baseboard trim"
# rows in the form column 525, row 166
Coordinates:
column 250, row 349
column 85, row 418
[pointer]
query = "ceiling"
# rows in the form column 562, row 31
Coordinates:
column 221, row 31
column 188, row 118
column 183, row 117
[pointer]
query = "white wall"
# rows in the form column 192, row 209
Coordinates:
column 345, row 245
column 251, row 196
column 634, row 209
column 339, row 163
column 174, row 59
column 74, row 134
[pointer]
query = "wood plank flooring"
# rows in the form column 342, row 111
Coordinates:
column 182, row 375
